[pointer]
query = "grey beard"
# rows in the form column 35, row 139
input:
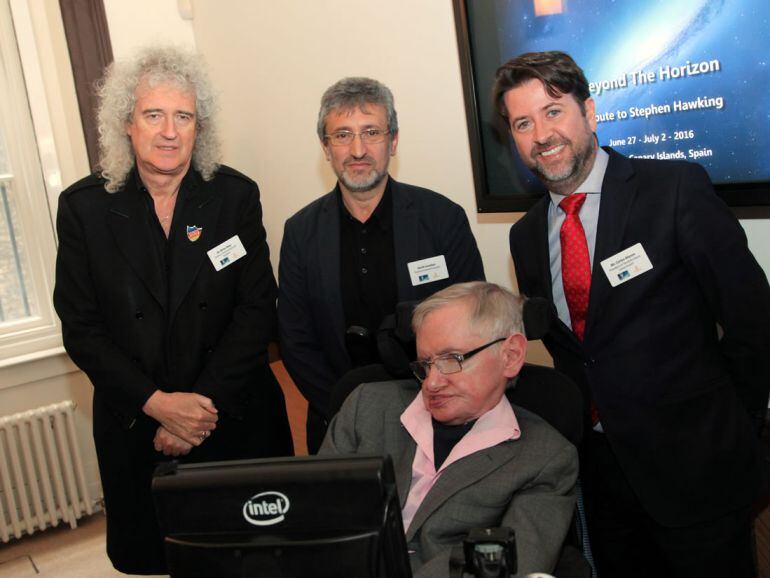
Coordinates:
column 374, row 179
column 571, row 177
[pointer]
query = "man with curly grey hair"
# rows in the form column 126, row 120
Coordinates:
column 349, row 257
column 166, row 295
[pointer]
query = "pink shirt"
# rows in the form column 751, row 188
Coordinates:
column 497, row 425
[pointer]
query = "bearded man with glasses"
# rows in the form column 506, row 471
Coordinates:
column 465, row 457
column 349, row 257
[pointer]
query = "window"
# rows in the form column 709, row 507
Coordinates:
column 16, row 302
column 28, row 324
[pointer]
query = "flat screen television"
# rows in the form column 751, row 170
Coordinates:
column 680, row 79
column 282, row 517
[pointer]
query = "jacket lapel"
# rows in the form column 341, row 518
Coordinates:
column 329, row 265
column 200, row 209
column 540, row 250
column 404, row 470
column 540, row 254
column 127, row 219
column 459, row 475
column 405, row 239
column 618, row 194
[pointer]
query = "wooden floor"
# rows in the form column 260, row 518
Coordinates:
column 60, row 553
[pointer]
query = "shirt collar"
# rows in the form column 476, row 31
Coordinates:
column 593, row 183
column 497, row 425
column 189, row 183
column 383, row 212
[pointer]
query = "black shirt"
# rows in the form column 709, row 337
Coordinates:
column 367, row 274
column 162, row 246
column 445, row 437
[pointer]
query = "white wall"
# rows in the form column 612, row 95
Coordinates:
column 758, row 233
column 138, row 23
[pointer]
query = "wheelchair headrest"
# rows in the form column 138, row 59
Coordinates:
column 396, row 340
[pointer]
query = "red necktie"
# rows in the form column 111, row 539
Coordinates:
column 575, row 263
column 576, row 270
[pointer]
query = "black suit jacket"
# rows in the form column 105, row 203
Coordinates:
column 133, row 327
column 310, row 312
column 124, row 319
column 675, row 400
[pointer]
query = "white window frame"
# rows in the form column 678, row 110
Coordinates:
column 36, row 182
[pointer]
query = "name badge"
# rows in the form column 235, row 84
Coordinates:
column 227, row 253
column 626, row 265
column 428, row 270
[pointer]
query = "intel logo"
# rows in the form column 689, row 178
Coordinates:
column 266, row 509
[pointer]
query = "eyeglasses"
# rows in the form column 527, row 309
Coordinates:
column 448, row 363
column 346, row 137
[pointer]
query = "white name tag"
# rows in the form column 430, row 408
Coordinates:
column 226, row 253
column 428, row 270
column 626, row 265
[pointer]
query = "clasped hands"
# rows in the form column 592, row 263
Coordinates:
column 186, row 420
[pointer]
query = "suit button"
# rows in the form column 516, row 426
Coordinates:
column 590, row 362
column 203, row 305
column 364, row 270
column 139, row 314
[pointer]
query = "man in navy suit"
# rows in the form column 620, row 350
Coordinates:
column 661, row 315
column 349, row 257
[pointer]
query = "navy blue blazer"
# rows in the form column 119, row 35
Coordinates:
column 676, row 401
column 311, row 319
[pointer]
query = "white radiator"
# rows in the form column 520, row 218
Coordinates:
column 41, row 472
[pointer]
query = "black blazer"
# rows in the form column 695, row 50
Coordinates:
column 675, row 401
column 133, row 332
column 134, row 327
column 310, row 312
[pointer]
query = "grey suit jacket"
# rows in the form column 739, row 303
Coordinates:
column 527, row 484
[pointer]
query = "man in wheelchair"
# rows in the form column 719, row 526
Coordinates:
column 464, row 456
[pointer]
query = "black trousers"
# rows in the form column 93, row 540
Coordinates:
column 127, row 461
column 315, row 429
column 627, row 543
